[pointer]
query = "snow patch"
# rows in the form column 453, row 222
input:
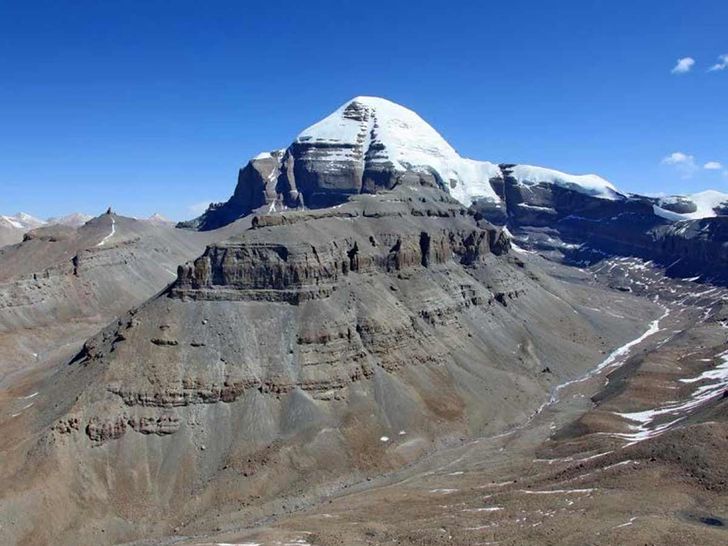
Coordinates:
column 627, row 524
column 589, row 184
column 667, row 214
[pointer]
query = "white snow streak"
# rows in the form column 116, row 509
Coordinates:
column 110, row 235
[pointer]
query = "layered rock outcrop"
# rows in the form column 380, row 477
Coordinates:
column 299, row 270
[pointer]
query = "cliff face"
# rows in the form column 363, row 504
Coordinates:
column 304, row 176
column 701, row 246
column 258, row 186
column 295, row 271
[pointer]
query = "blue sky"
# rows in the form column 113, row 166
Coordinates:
column 153, row 106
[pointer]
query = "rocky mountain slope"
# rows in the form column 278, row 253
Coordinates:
column 9, row 236
column 630, row 453
column 61, row 284
column 315, row 349
column 14, row 228
column 75, row 219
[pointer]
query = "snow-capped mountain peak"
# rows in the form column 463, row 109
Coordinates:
column 75, row 219
column 403, row 132
column 22, row 221
column 383, row 134
column 159, row 219
column 371, row 144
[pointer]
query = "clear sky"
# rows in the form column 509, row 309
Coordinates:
column 154, row 105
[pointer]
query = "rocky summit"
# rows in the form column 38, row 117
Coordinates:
column 374, row 340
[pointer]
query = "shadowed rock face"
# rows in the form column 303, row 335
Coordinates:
column 701, row 246
column 549, row 217
column 304, row 175
column 292, row 271
column 580, row 228
column 317, row 346
column 258, row 186
column 321, row 181
column 680, row 206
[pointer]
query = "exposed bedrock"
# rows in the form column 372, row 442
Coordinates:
column 701, row 246
column 581, row 227
column 296, row 270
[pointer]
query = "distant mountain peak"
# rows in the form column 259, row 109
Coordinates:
column 160, row 219
column 21, row 221
column 75, row 219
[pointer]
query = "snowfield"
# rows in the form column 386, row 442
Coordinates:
column 394, row 135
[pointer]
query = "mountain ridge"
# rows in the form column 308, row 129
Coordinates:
column 370, row 144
